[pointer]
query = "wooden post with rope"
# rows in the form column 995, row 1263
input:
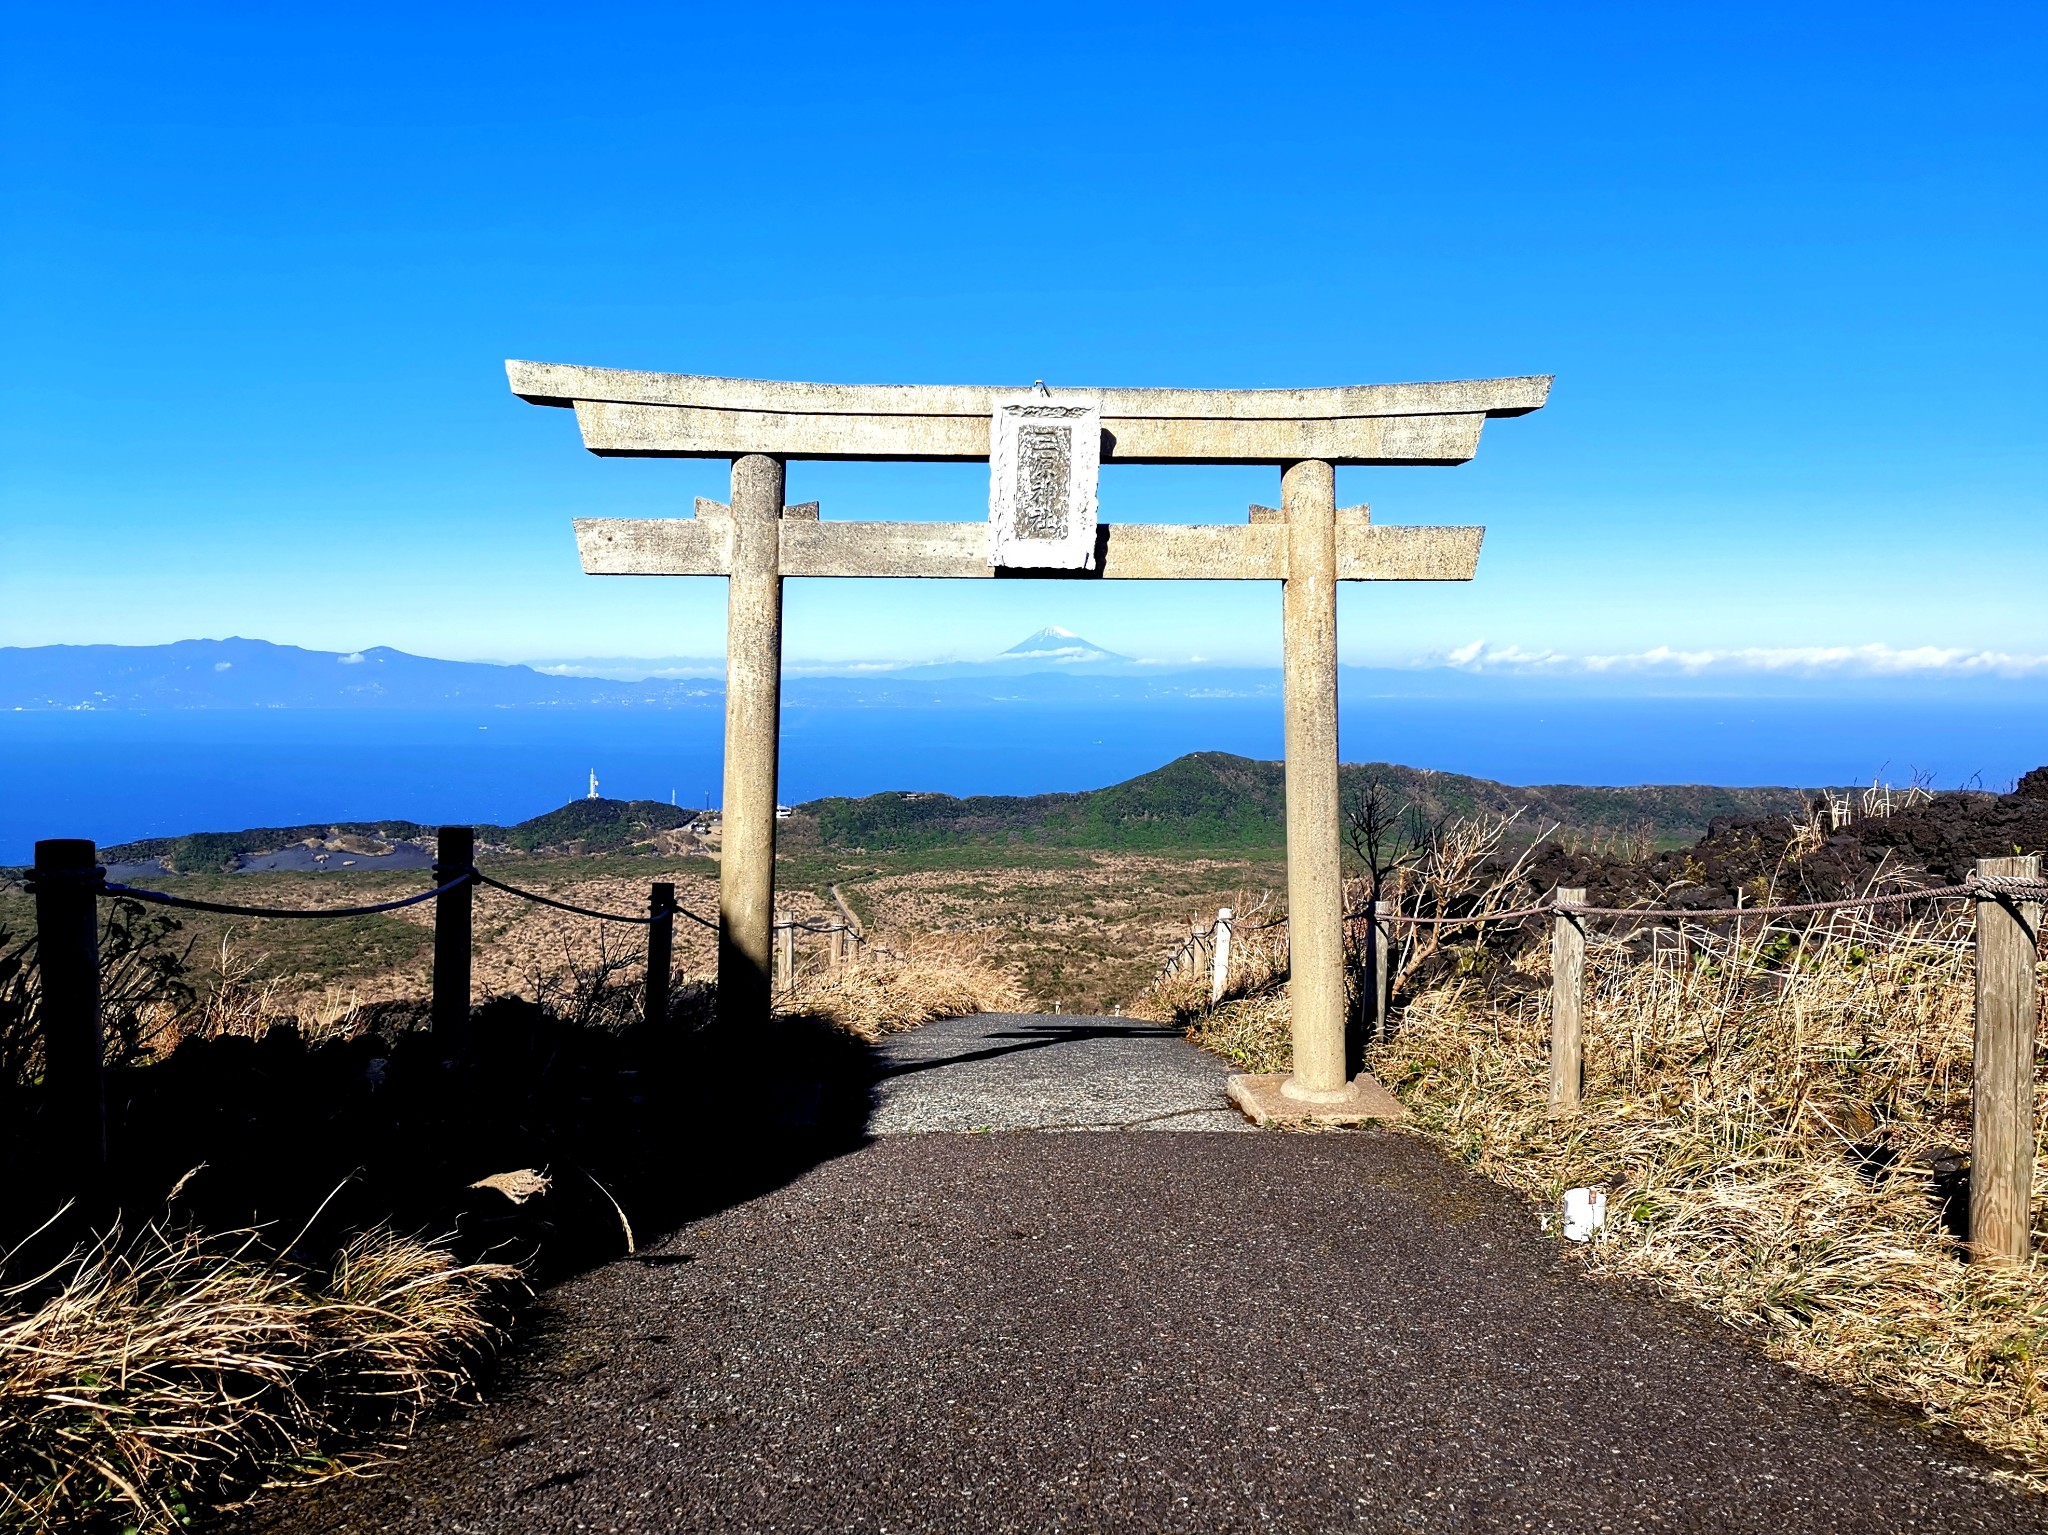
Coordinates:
column 65, row 877
column 1567, row 1001
column 852, row 934
column 661, row 948
column 1219, row 977
column 454, row 927
column 785, row 956
column 2002, row 1077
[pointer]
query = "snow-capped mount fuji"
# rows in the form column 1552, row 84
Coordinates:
column 1060, row 646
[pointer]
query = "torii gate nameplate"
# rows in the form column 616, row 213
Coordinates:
column 1308, row 545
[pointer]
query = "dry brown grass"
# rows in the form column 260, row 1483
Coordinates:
column 1759, row 1119
column 1084, row 930
column 1248, row 1027
column 148, row 1375
column 934, row 976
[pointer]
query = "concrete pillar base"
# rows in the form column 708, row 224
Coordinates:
column 1265, row 1100
column 1300, row 1092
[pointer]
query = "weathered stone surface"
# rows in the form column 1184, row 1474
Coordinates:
column 1366, row 553
column 1044, row 455
column 614, row 430
column 1131, row 551
column 753, row 718
column 560, row 384
column 1263, row 1102
column 1315, row 883
column 1360, row 513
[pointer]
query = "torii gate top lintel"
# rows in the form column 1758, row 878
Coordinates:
column 1044, row 448
column 678, row 415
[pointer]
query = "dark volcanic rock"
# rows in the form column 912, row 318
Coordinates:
column 1939, row 841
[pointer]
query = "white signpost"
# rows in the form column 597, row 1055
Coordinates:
column 1044, row 449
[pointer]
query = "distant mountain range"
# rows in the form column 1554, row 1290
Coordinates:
column 1054, row 665
column 255, row 674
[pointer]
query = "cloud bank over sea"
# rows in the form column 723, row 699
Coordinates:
column 1870, row 660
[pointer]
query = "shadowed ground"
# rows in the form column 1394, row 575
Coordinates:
column 1018, row 1331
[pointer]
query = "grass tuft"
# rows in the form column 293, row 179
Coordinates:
column 151, row 1375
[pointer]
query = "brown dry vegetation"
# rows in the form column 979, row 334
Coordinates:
column 1082, row 931
column 142, row 1380
column 886, row 992
column 170, row 1370
column 1076, row 930
column 1775, row 1124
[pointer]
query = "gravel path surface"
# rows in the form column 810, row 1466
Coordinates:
column 1015, row 1332
column 1007, row 1071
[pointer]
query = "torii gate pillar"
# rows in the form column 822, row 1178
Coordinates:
column 753, row 727
column 1043, row 449
column 1315, row 878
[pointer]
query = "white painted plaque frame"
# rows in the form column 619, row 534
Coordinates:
column 1045, row 456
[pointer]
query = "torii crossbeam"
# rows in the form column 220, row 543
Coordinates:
column 1043, row 449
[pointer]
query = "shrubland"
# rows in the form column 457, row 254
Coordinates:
column 1778, row 1113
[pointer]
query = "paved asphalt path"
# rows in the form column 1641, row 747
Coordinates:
column 1131, row 1331
column 1010, row 1071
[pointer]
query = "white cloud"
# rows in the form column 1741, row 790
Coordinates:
column 354, row 658
column 223, row 666
column 1861, row 660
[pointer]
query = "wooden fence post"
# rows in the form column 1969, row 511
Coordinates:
column 835, row 950
column 66, row 878
column 785, row 956
column 2002, row 1073
column 454, row 926
column 1567, row 994
column 1382, row 998
column 856, row 935
column 661, row 948
column 1219, row 975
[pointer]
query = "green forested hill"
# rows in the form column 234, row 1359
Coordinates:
column 1215, row 800
column 594, row 825
column 1207, row 800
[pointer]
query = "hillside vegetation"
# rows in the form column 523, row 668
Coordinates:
column 581, row 826
column 1212, row 800
column 1206, row 801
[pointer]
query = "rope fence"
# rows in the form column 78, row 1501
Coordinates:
column 67, row 883
column 190, row 903
column 2007, row 895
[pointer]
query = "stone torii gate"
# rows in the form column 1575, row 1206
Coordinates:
column 1044, row 448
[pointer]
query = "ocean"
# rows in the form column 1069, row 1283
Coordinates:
column 117, row 775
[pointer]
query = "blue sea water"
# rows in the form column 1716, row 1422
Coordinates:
column 113, row 776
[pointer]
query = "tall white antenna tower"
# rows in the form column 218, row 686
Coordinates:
column 593, row 785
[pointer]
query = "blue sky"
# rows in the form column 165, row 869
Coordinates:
column 262, row 267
